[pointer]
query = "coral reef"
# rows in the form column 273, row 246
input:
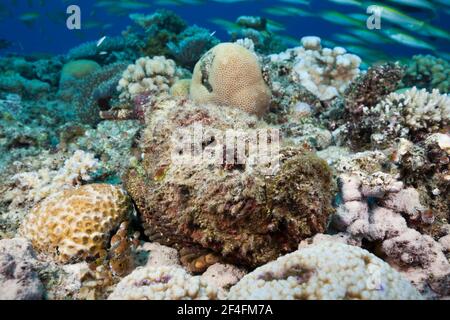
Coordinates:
column 326, row 271
column 428, row 72
column 147, row 76
column 377, row 209
column 77, row 69
column 74, row 224
column 159, row 29
column 256, row 29
column 411, row 115
column 191, row 44
column 45, row 182
column 111, row 50
column 324, row 72
column 268, row 173
column 94, row 93
column 18, row 277
column 230, row 75
column 243, row 212
column 223, row 276
column 164, row 283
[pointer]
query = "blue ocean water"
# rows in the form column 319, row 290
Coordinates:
column 46, row 31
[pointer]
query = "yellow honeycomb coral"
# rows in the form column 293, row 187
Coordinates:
column 230, row 75
column 75, row 224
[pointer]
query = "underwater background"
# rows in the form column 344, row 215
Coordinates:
column 224, row 149
column 39, row 26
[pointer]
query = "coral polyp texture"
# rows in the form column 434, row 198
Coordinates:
column 74, row 225
column 230, row 75
column 147, row 76
column 326, row 271
column 241, row 212
column 164, row 283
column 324, row 72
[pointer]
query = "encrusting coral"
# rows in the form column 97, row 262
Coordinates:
column 230, row 75
column 241, row 212
column 74, row 224
column 328, row 270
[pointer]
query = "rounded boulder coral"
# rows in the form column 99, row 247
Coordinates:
column 328, row 270
column 230, row 75
column 75, row 224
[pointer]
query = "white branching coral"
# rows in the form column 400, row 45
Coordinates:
column 147, row 76
column 328, row 270
column 42, row 183
column 164, row 283
column 403, row 114
column 324, row 72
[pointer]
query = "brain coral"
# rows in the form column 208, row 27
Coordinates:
column 230, row 75
column 74, row 224
column 240, row 211
column 164, row 283
column 328, row 270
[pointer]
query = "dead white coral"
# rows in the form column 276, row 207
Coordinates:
column 324, row 72
column 31, row 187
column 148, row 75
column 327, row 270
column 401, row 114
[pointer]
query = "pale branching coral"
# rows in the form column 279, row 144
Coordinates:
column 230, row 75
column 328, row 270
column 411, row 115
column 150, row 76
column 44, row 182
column 75, row 224
column 164, row 283
column 324, row 72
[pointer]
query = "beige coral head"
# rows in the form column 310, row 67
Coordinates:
column 230, row 75
column 74, row 224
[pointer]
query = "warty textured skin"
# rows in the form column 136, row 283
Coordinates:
column 234, row 211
